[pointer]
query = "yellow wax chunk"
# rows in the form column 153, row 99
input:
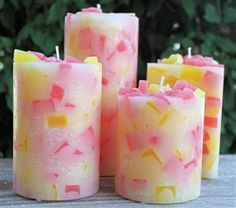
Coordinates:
column 153, row 106
column 91, row 60
column 172, row 115
column 180, row 155
column 199, row 93
column 151, row 153
column 153, row 88
column 54, row 191
column 23, row 56
column 212, row 112
column 154, row 74
column 209, row 162
column 165, row 193
column 171, row 80
column 191, row 74
column 173, row 59
column 56, row 120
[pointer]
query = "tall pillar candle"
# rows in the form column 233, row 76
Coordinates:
column 113, row 38
column 207, row 74
column 159, row 143
column 56, row 127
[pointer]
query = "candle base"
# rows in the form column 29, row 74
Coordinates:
column 151, row 198
column 43, row 197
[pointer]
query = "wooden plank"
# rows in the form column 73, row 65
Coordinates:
column 220, row 192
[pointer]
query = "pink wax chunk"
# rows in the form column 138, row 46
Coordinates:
column 213, row 102
column 57, row 92
column 39, row 55
column 173, row 93
column 123, row 90
column 193, row 163
column 181, row 85
column 129, row 91
column 171, row 165
column 63, row 145
column 121, row 47
column 187, row 94
column 102, row 40
column 196, row 133
column 154, row 140
column 43, row 106
column 135, row 93
column 104, row 81
column 143, row 86
column 42, row 57
column 78, row 152
column 211, row 78
column 92, row 9
column 89, row 138
column 182, row 89
column 70, row 105
column 198, row 60
column 87, row 39
column 140, row 183
column 162, row 98
column 51, row 59
column 72, row 188
column 133, row 143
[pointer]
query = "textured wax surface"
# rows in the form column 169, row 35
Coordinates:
column 56, row 129
column 113, row 38
column 210, row 79
column 159, row 145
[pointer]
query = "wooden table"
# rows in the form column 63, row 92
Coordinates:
column 220, row 192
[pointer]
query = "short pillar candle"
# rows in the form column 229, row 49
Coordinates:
column 159, row 143
column 208, row 75
column 56, row 127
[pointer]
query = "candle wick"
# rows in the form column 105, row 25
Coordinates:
column 189, row 52
column 99, row 6
column 161, row 83
column 57, row 52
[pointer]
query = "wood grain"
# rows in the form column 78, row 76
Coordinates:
column 220, row 192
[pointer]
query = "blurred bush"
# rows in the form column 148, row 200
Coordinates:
column 209, row 27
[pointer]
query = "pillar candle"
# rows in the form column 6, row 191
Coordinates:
column 159, row 143
column 207, row 74
column 113, row 38
column 56, row 127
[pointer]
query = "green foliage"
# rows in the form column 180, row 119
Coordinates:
column 208, row 26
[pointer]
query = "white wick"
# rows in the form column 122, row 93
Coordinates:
column 57, row 52
column 99, row 6
column 161, row 83
column 189, row 52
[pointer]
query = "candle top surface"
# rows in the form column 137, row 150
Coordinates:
column 98, row 11
column 32, row 56
column 195, row 60
column 181, row 89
